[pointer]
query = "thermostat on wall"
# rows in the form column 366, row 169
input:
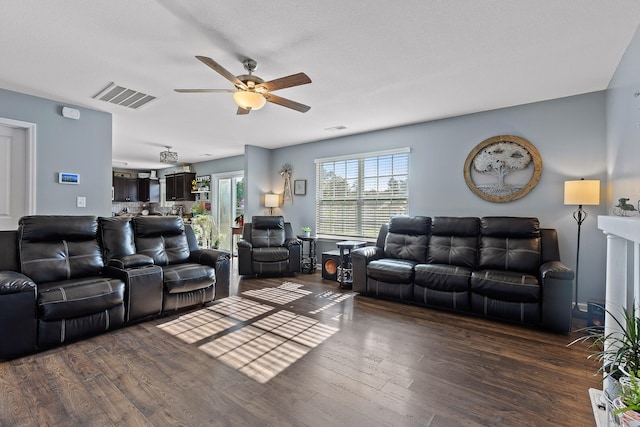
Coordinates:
column 68, row 178
column 70, row 113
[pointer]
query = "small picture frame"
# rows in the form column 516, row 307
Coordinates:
column 68, row 178
column 300, row 187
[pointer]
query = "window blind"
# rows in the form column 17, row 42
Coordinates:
column 355, row 196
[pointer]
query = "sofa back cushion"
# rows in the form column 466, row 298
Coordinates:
column 509, row 243
column 161, row 238
column 407, row 238
column 59, row 247
column 267, row 231
column 116, row 237
column 454, row 241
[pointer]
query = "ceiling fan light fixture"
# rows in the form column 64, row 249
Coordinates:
column 169, row 156
column 249, row 100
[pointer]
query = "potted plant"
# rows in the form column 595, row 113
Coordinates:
column 239, row 220
column 621, row 356
column 619, row 360
column 306, row 231
column 627, row 404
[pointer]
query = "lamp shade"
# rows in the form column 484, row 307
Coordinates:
column 249, row 100
column 582, row 192
column 271, row 200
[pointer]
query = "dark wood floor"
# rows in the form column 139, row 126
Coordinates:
column 304, row 355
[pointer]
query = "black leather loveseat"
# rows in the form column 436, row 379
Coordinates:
column 500, row 267
column 66, row 277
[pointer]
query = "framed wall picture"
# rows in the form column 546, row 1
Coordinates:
column 300, row 187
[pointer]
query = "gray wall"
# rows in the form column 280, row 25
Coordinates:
column 257, row 181
column 623, row 129
column 63, row 145
column 569, row 133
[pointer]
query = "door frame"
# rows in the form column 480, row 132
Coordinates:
column 31, row 161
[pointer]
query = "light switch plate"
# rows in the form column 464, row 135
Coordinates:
column 81, row 202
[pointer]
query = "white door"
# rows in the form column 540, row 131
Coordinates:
column 14, row 179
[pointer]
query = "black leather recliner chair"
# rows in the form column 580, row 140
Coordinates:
column 268, row 246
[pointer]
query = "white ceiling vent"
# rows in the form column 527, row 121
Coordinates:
column 122, row 96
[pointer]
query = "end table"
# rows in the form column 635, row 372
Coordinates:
column 309, row 260
column 345, row 270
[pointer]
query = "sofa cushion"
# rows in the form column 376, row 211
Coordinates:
column 440, row 277
column 391, row 270
column 79, row 297
column 453, row 250
column 407, row 238
column 267, row 231
column 273, row 254
column 455, row 226
column 507, row 226
column 510, row 254
column 116, row 237
column 187, row 277
column 161, row 238
column 59, row 247
column 506, row 286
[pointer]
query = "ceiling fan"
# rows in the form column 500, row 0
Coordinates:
column 251, row 92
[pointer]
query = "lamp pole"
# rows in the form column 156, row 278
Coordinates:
column 579, row 215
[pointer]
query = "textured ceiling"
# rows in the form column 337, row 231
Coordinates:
column 374, row 64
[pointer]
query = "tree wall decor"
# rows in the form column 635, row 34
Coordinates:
column 503, row 168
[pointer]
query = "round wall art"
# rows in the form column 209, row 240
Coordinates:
column 503, row 168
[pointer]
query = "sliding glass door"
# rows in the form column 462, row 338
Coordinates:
column 229, row 204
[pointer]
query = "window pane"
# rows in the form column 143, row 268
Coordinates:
column 356, row 196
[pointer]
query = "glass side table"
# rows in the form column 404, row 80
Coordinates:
column 309, row 259
column 345, row 270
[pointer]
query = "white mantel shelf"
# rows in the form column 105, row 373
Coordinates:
column 625, row 227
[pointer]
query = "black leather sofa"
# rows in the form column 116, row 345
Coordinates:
column 63, row 278
column 505, row 268
column 268, row 246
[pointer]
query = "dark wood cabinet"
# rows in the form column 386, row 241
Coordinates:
column 149, row 190
column 125, row 189
column 179, row 186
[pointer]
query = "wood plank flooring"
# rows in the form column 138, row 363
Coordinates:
column 309, row 355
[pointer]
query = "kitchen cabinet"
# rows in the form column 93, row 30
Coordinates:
column 179, row 186
column 125, row 189
column 149, row 190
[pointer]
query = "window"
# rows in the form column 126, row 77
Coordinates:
column 357, row 194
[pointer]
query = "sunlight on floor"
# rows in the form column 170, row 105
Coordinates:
column 267, row 344
column 283, row 294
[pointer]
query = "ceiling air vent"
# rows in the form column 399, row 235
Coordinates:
column 122, row 96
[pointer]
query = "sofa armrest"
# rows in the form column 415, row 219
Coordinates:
column 244, row 257
column 131, row 261
column 557, row 296
column 219, row 260
column 359, row 259
column 18, row 315
column 143, row 289
column 295, row 255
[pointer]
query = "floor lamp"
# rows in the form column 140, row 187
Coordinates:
column 580, row 192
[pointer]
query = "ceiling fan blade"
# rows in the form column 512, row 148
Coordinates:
column 222, row 71
column 204, row 90
column 284, row 82
column 242, row 111
column 287, row 103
